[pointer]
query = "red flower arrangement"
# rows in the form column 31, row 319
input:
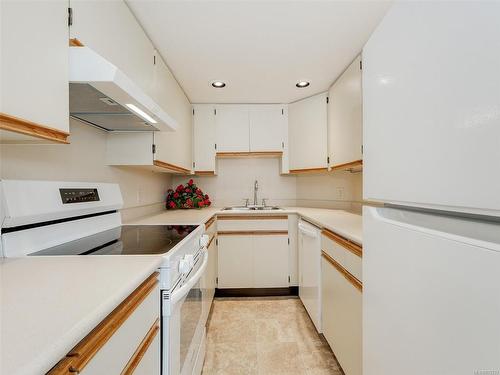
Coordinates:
column 187, row 196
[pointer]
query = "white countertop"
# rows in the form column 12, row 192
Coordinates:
column 48, row 304
column 344, row 223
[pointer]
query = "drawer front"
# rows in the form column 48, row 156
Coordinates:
column 252, row 223
column 346, row 255
column 150, row 362
column 342, row 318
column 112, row 344
column 115, row 354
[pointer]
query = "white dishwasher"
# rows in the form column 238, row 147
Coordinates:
column 310, row 270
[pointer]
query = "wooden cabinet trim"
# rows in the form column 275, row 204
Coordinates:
column 209, row 222
column 74, row 42
column 210, row 241
column 347, row 166
column 252, row 217
column 250, row 154
column 308, row 170
column 347, row 275
column 204, row 173
column 141, row 349
column 253, row 233
column 171, row 167
column 87, row 348
column 344, row 242
column 22, row 126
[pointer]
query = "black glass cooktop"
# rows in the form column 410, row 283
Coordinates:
column 125, row 240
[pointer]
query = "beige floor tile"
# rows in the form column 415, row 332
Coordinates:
column 229, row 359
column 265, row 336
column 279, row 358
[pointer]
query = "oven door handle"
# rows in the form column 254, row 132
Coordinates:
column 184, row 290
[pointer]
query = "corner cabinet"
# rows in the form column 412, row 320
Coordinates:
column 126, row 342
column 34, row 71
column 345, row 119
column 307, row 131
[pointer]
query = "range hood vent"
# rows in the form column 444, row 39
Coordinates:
column 102, row 95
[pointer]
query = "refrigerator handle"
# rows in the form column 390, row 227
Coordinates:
column 485, row 234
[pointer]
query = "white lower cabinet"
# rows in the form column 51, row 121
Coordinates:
column 125, row 342
column 150, row 362
column 341, row 311
column 253, row 261
column 235, row 263
column 270, row 261
column 341, row 295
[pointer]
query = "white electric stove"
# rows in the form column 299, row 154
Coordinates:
column 52, row 218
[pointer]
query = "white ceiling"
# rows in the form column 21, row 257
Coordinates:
column 259, row 48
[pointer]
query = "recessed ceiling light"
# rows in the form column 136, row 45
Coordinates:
column 218, row 84
column 302, row 84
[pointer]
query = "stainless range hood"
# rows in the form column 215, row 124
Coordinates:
column 102, row 95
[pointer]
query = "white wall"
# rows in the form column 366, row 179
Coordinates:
column 84, row 160
column 235, row 179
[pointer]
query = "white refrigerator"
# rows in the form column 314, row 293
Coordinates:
column 431, row 255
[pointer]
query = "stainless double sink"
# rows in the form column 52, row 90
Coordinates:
column 252, row 208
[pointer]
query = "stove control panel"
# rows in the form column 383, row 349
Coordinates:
column 78, row 195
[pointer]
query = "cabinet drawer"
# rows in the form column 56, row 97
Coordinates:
column 146, row 360
column 345, row 252
column 252, row 222
column 109, row 347
column 342, row 317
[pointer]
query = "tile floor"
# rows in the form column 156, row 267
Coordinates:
column 265, row 336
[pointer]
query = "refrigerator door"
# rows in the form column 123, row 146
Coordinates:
column 431, row 106
column 431, row 294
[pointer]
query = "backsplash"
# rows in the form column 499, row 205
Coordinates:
column 84, row 160
column 235, row 179
column 338, row 190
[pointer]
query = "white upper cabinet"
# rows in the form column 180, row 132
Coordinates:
column 307, row 131
column 173, row 147
column 268, row 127
column 204, row 137
column 345, row 117
column 110, row 29
column 232, row 128
column 34, row 66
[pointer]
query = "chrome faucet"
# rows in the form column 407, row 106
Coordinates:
column 255, row 189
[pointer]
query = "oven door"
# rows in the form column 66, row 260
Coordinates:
column 183, row 328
